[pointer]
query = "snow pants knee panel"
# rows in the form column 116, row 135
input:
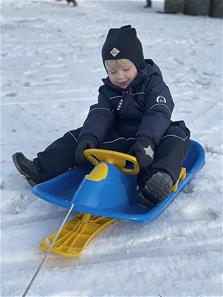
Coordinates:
column 58, row 156
column 172, row 149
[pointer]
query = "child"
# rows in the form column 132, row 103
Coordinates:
column 72, row 2
column 133, row 115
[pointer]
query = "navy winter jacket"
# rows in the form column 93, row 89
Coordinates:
column 142, row 110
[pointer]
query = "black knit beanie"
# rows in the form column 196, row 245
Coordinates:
column 123, row 43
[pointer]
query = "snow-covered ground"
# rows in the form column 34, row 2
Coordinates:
column 51, row 70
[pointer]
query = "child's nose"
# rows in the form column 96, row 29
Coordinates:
column 120, row 75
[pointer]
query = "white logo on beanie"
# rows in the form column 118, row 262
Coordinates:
column 114, row 52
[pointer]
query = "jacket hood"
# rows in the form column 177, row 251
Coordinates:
column 150, row 69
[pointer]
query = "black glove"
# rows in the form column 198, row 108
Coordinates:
column 143, row 150
column 85, row 142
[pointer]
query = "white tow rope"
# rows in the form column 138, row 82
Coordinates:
column 47, row 252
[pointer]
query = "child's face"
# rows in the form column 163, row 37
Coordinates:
column 121, row 73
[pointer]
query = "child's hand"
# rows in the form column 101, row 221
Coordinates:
column 143, row 150
column 85, row 142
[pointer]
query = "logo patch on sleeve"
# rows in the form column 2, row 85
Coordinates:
column 161, row 99
column 148, row 150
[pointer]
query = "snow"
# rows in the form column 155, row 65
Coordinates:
column 51, row 71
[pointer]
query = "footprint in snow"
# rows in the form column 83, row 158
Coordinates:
column 197, row 212
column 188, row 189
column 16, row 204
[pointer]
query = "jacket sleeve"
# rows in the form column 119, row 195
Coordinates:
column 159, row 107
column 100, row 118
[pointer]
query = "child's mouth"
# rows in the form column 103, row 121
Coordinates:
column 123, row 84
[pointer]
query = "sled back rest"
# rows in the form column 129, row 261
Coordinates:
column 195, row 157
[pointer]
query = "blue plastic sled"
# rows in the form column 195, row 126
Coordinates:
column 107, row 191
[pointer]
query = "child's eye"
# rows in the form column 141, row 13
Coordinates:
column 126, row 69
column 112, row 72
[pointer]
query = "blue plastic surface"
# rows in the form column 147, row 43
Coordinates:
column 114, row 197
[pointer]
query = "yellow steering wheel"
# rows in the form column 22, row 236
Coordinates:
column 120, row 160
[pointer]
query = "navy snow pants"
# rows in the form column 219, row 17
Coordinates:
column 169, row 154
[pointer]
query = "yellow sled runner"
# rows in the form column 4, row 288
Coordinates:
column 76, row 235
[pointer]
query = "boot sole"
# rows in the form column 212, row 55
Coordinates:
column 157, row 195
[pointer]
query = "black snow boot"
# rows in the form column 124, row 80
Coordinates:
column 27, row 168
column 148, row 3
column 156, row 189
